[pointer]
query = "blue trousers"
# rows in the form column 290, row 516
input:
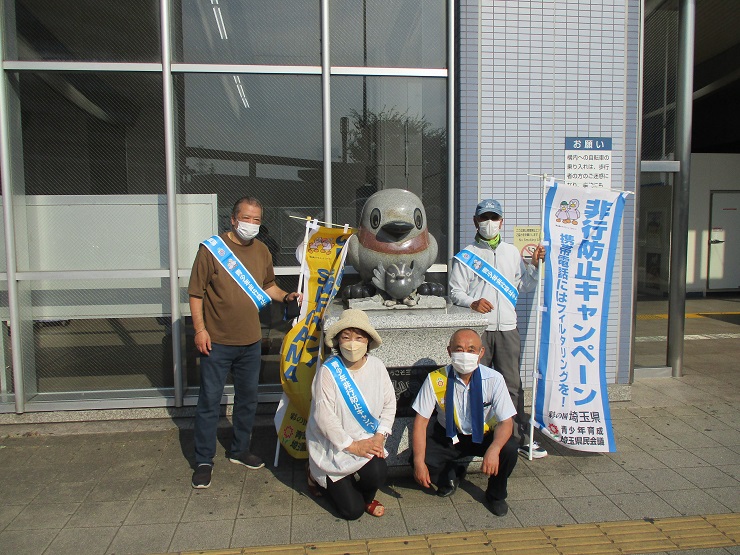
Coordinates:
column 244, row 364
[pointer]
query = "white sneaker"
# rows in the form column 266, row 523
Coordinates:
column 537, row 451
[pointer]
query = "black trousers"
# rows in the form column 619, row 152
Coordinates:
column 442, row 456
column 350, row 496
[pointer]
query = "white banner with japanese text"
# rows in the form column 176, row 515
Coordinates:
column 581, row 230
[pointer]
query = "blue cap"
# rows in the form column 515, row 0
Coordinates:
column 489, row 205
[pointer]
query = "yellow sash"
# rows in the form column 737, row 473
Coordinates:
column 439, row 382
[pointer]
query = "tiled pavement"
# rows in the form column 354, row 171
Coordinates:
column 108, row 489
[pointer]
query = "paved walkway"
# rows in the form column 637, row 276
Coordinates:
column 124, row 487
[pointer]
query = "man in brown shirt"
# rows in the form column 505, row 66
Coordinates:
column 229, row 338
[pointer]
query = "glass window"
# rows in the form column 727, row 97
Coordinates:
column 93, row 165
column 3, row 263
column 84, row 30
column 256, row 135
column 660, row 74
column 389, row 33
column 7, row 387
column 92, row 133
column 265, row 32
column 660, row 67
column 96, row 335
column 653, row 266
column 390, row 132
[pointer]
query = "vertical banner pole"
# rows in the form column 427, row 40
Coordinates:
column 277, row 453
column 538, row 317
column 309, row 225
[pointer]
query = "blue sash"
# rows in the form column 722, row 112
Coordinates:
column 352, row 394
column 476, row 406
column 489, row 274
column 236, row 270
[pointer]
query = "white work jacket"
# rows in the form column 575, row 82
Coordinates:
column 466, row 286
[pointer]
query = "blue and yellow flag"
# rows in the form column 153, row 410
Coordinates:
column 299, row 354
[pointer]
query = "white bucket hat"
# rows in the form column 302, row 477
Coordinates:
column 353, row 318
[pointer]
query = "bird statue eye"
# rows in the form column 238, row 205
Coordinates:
column 418, row 220
column 375, row 218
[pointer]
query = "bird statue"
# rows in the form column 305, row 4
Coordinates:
column 392, row 249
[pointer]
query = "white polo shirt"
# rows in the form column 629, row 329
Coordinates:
column 496, row 400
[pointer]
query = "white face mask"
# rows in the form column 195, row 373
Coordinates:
column 488, row 229
column 353, row 350
column 464, row 363
column 247, row 231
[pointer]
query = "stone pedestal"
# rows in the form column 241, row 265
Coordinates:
column 414, row 343
column 417, row 336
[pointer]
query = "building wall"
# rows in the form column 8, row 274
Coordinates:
column 530, row 73
column 542, row 71
column 83, row 157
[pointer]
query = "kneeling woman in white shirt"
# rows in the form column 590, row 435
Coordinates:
column 352, row 412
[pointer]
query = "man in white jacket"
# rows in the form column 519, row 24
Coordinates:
column 488, row 276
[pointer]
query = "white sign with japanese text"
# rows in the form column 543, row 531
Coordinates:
column 588, row 162
column 582, row 230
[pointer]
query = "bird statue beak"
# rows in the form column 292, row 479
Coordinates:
column 397, row 229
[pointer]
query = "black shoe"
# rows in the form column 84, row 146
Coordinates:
column 499, row 507
column 447, row 487
column 202, row 476
column 249, row 460
column 461, row 471
column 537, row 451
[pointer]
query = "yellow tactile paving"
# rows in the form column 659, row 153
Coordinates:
column 338, row 548
column 604, row 538
column 529, row 540
column 464, row 548
column 692, row 532
column 400, row 546
column 636, row 537
column 508, row 541
column 287, row 550
column 728, row 524
column 576, row 543
column 407, row 550
column 460, row 542
column 530, row 550
column 588, row 549
column 580, row 539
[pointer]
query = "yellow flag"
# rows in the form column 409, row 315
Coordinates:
column 300, row 350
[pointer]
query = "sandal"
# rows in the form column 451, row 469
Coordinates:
column 313, row 486
column 372, row 508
